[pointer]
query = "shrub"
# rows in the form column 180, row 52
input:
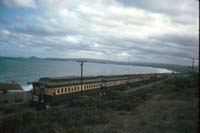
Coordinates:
column 18, row 100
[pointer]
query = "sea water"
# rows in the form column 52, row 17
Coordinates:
column 23, row 70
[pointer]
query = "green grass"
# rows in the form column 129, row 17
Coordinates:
column 7, row 108
column 171, row 106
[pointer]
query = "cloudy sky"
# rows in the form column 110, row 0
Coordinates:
column 162, row 31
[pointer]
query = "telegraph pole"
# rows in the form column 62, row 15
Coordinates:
column 192, row 70
column 128, row 83
column 128, row 66
column 81, row 64
column 192, row 65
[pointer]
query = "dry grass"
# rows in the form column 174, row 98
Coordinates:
column 169, row 107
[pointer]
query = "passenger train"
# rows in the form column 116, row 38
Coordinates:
column 52, row 90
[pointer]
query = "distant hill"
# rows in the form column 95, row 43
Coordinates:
column 33, row 57
column 173, row 67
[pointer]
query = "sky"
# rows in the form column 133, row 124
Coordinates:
column 158, row 31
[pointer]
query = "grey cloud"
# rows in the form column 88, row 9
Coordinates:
column 182, row 11
column 162, row 48
column 160, row 6
column 113, row 36
column 182, row 40
column 39, row 30
column 4, row 21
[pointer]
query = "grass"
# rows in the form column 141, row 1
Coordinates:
column 8, row 108
column 171, row 106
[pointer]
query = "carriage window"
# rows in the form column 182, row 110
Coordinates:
column 68, row 89
column 61, row 90
column 58, row 91
column 65, row 89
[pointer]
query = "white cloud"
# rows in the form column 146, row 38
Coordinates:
column 5, row 32
column 123, row 54
column 83, row 53
column 20, row 3
column 73, row 39
column 108, row 29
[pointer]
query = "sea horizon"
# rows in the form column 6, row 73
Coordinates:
column 28, row 70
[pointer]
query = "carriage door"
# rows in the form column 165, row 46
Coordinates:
column 42, row 93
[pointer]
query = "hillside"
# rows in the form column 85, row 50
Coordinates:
column 173, row 67
column 170, row 106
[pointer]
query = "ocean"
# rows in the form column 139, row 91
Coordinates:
column 23, row 70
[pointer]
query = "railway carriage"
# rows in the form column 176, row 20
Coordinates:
column 53, row 90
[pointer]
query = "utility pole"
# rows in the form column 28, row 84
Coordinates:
column 81, row 64
column 192, row 70
column 128, row 66
column 192, row 65
column 128, row 83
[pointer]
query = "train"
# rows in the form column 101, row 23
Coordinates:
column 52, row 90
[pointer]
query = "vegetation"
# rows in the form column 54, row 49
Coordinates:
column 7, row 108
column 171, row 106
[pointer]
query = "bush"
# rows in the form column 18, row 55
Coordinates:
column 18, row 100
